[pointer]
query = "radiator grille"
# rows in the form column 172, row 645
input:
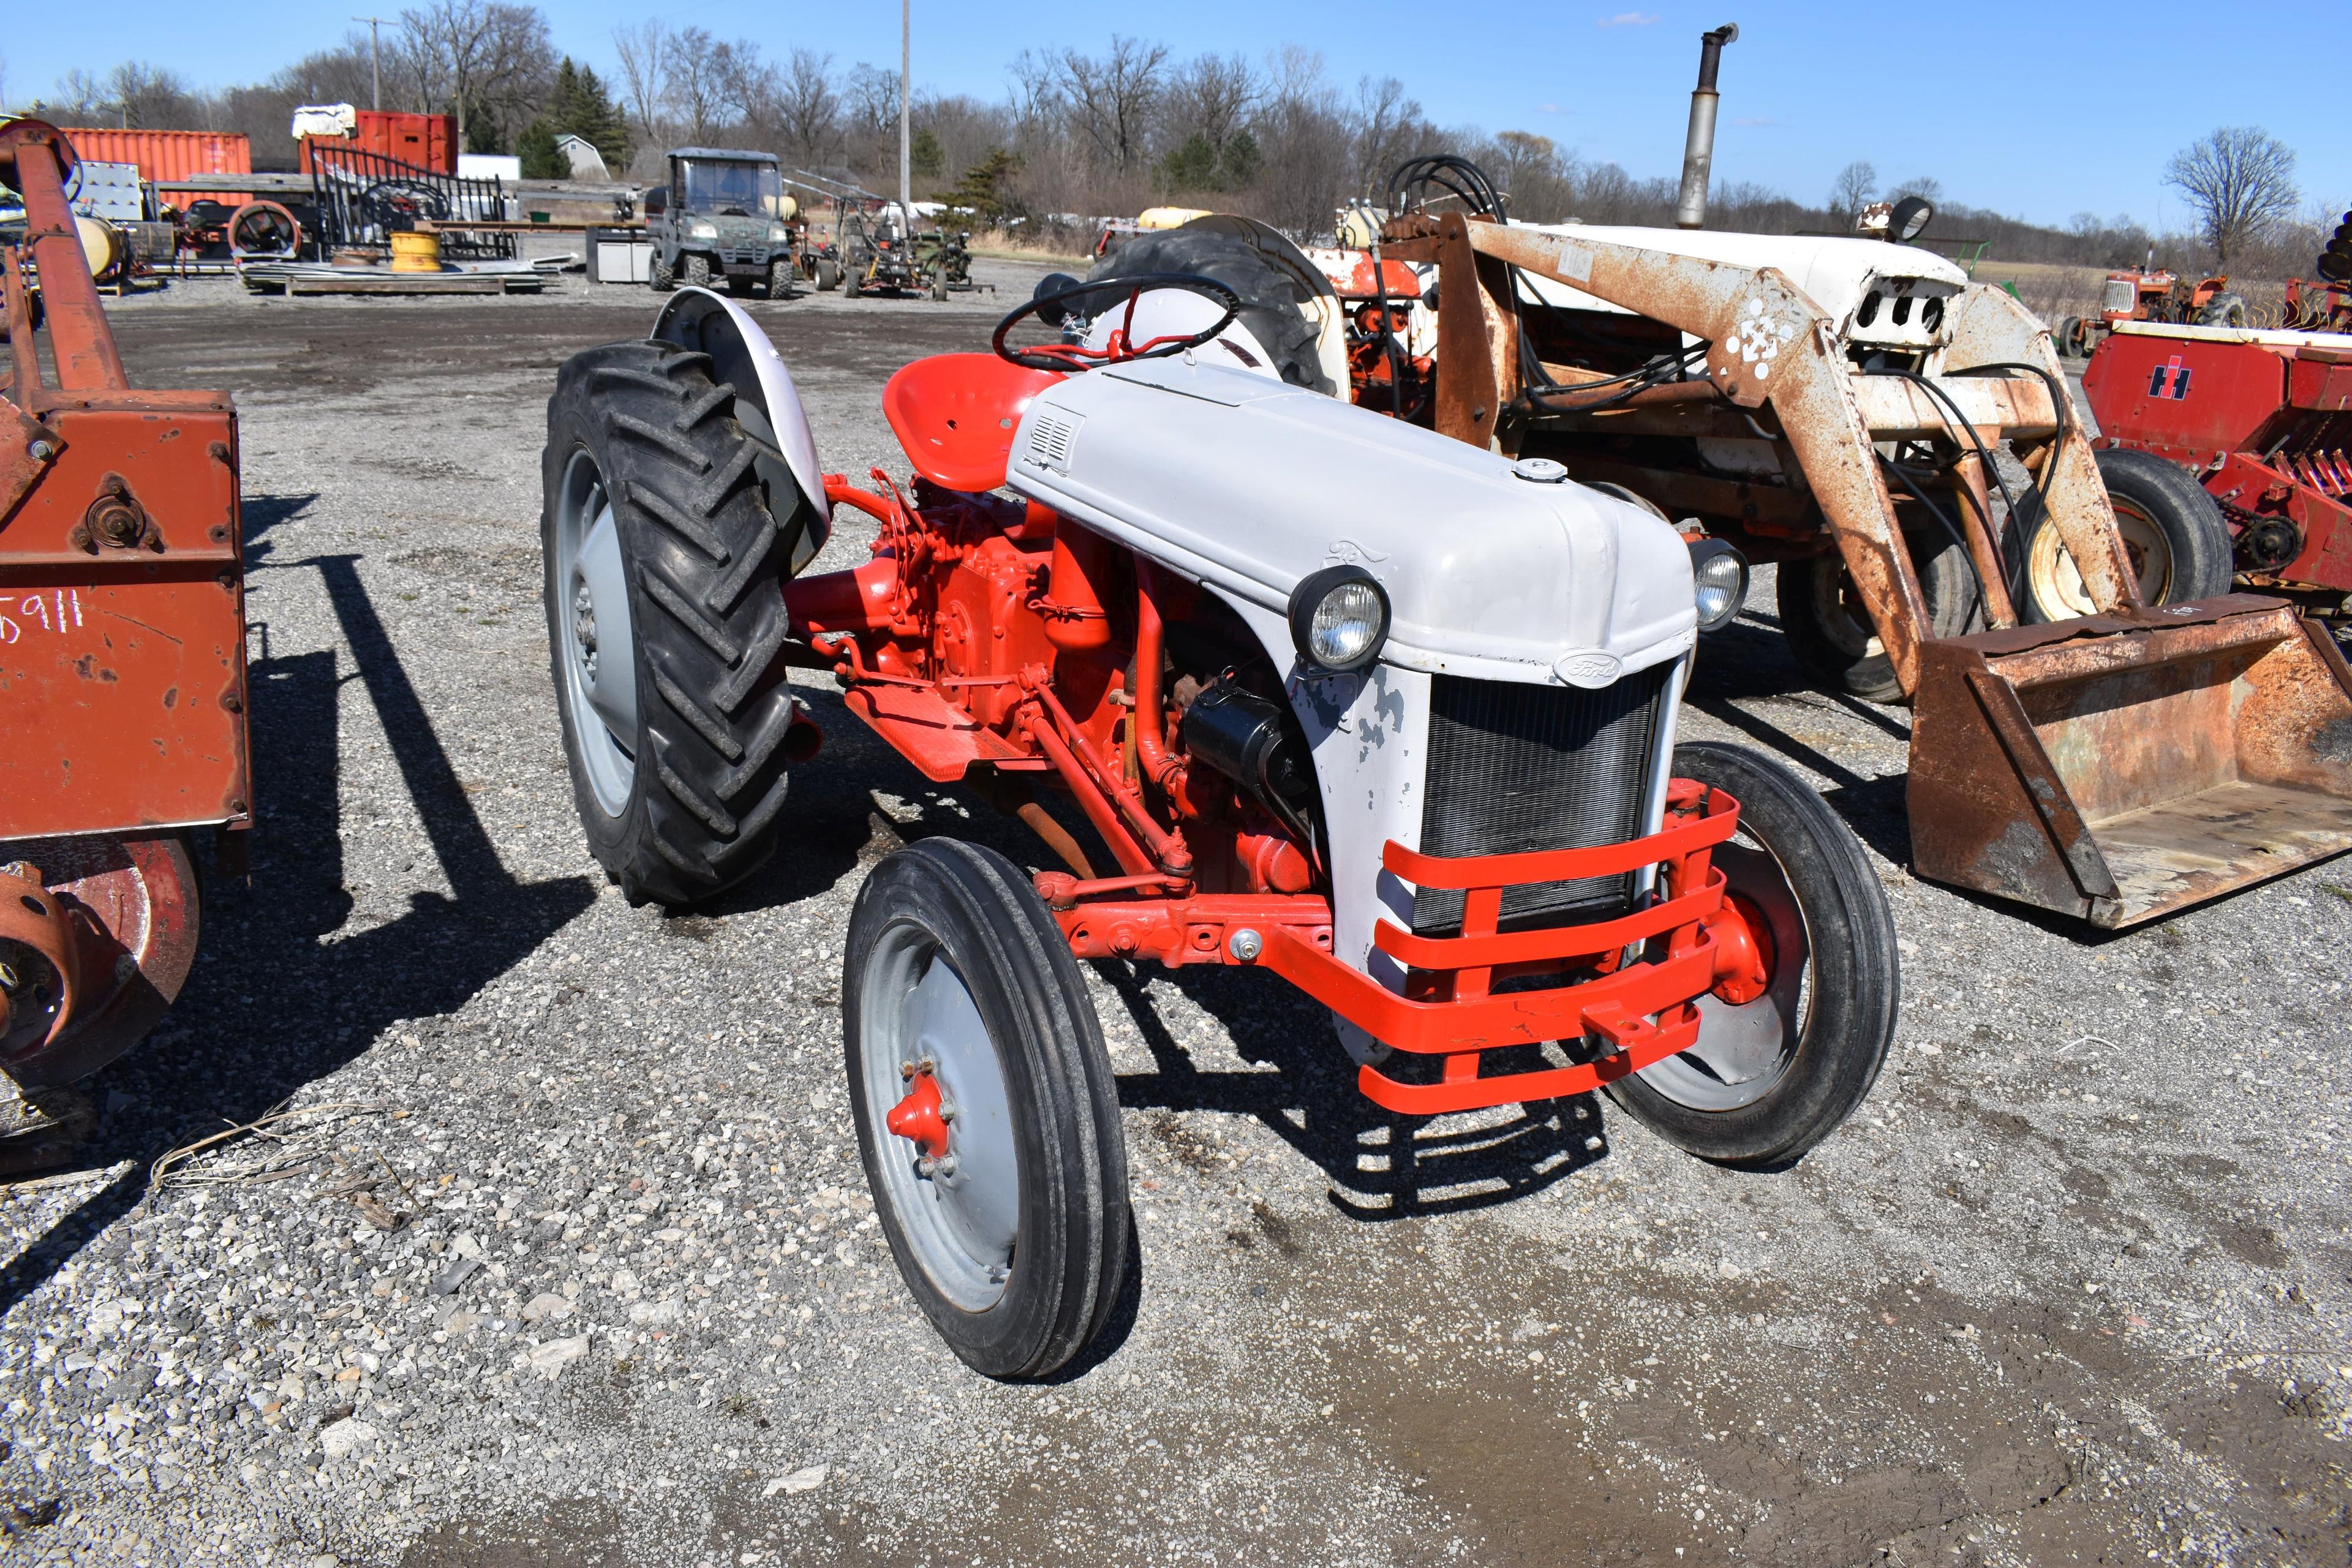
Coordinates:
column 1514, row 767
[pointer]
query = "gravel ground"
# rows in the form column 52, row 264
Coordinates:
column 564, row 1256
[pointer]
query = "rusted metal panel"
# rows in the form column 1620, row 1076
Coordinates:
column 1477, row 337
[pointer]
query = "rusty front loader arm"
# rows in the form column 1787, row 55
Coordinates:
column 1770, row 347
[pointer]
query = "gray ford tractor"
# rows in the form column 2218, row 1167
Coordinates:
column 723, row 214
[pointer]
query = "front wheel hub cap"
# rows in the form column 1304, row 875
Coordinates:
column 918, row 1116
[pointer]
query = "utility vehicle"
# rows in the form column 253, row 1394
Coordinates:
column 723, row 215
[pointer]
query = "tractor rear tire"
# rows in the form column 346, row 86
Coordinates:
column 2177, row 539
column 1271, row 306
column 685, row 804
column 1770, row 1078
column 695, row 271
column 1830, row 633
column 1018, row 1247
column 2223, row 310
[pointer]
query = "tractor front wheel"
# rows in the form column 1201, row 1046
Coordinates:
column 985, row 1109
column 664, row 615
column 828, row 274
column 1773, row 1075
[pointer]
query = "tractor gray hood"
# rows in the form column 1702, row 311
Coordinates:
column 1248, row 485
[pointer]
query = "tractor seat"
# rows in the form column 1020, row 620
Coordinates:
column 955, row 415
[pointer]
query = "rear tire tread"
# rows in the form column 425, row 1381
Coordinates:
column 710, row 775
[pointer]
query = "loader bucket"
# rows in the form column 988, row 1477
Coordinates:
column 2122, row 766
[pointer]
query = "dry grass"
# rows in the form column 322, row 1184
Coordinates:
column 2054, row 289
column 1003, row 245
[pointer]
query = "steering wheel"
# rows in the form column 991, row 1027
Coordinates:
column 1060, row 304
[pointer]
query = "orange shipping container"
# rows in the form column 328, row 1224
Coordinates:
column 165, row 154
column 427, row 140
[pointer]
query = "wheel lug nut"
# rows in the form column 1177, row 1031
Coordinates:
column 945, row 1165
column 906, row 1069
column 926, row 1166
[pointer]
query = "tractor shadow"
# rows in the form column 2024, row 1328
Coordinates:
column 1382, row 1165
column 279, row 998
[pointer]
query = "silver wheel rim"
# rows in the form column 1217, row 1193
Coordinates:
column 2057, row 584
column 598, row 652
column 961, row 1218
column 1744, row 1050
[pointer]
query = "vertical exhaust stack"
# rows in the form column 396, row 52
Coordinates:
column 1698, row 148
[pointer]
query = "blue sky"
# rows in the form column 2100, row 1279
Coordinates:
column 2042, row 109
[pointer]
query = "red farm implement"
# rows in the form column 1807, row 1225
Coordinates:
column 122, row 688
column 2263, row 419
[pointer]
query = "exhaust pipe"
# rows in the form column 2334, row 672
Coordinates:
column 1698, row 147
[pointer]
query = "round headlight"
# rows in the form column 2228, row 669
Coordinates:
column 1719, row 582
column 1338, row 618
column 700, row 231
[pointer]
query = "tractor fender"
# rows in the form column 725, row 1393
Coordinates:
column 741, row 354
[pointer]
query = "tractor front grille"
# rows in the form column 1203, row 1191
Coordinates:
column 1515, row 767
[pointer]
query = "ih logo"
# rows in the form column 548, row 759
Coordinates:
column 2170, row 380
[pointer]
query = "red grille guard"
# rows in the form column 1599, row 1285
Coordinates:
column 1642, row 1008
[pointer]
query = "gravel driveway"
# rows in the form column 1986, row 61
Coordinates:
column 563, row 1255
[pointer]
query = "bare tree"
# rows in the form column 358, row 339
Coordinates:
column 1388, row 127
column 1305, row 142
column 871, row 99
column 2240, row 181
column 1113, row 97
column 750, row 88
column 810, row 106
column 1210, row 96
column 80, row 98
column 644, row 52
column 152, row 96
column 487, row 61
column 1036, row 83
column 693, row 88
column 1852, row 191
column 1534, row 173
